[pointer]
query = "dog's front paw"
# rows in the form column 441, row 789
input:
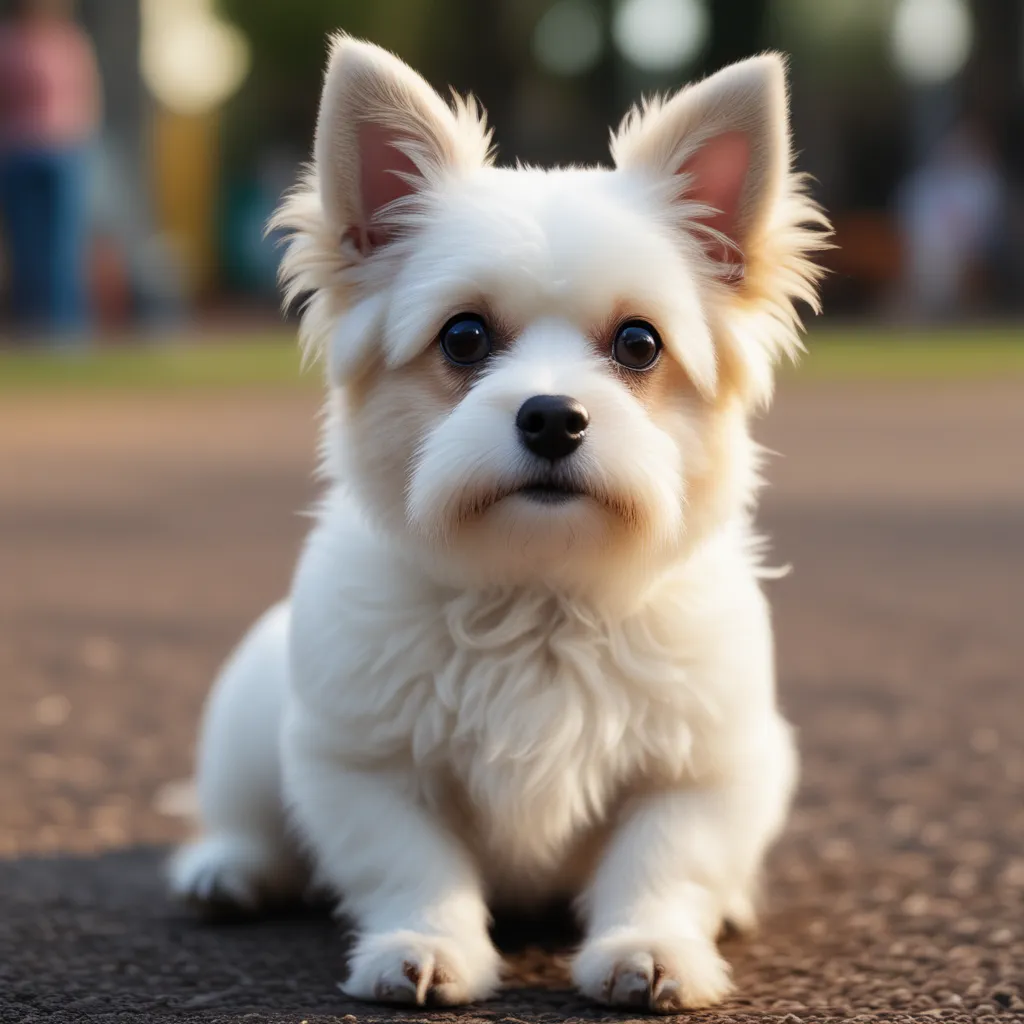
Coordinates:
column 408, row 967
column 663, row 975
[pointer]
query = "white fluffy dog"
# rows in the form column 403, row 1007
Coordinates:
column 526, row 653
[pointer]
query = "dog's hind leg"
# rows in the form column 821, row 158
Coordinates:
column 244, row 857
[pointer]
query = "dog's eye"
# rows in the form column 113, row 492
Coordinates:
column 465, row 340
column 636, row 346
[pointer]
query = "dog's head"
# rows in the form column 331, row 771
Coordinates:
column 540, row 375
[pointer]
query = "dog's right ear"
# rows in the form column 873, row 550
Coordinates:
column 383, row 135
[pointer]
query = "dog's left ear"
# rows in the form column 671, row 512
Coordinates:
column 725, row 141
column 721, row 149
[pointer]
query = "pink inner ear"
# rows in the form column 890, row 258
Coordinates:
column 719, row 170
column 379, row 182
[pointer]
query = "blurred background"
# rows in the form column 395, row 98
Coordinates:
column 158, row 444
column 143, row 143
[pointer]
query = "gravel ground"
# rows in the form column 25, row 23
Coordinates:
column 139, row 535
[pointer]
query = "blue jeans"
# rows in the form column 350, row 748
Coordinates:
column 44, row 215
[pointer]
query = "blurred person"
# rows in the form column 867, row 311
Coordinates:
column 49, row 115
column 949, row 211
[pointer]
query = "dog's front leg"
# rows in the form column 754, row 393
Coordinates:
column 411, row 888
column 680, row 863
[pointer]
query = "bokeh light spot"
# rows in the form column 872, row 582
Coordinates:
column 192, row 60
column 568, row 39
column 661, row 35
column 931, row 39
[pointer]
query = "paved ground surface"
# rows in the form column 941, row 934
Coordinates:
column 138, row 536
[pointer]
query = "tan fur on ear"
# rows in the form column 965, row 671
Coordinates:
column 367, row 87
column 364, row 85
column 758, row 323
column 749, row 99
column 774, row 230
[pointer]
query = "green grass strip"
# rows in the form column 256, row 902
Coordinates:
column 270, row 359
column 911, row 354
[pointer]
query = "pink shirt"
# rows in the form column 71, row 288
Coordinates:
column 49, row 84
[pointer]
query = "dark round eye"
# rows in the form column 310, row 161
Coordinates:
column 465, row 340
column 636, row 346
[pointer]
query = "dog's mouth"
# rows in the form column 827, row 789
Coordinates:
column 549, row 492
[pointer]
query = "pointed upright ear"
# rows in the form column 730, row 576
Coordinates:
column 725, row 142
column 384, row 134
column 719, row 153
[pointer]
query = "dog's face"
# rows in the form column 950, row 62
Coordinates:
column 539, row 410
column 545, row 375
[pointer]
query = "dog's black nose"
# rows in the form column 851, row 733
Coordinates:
column 552, row 426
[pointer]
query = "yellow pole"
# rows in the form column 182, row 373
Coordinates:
column 185, row 167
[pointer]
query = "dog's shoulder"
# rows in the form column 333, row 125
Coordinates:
column 357, row 604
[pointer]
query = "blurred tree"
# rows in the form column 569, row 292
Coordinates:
column 474, row 46
column 994, row 75
column 289, row 45
column 738, row 30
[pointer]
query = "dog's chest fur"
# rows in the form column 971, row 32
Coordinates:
column 520, row 716
column 541, row 717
